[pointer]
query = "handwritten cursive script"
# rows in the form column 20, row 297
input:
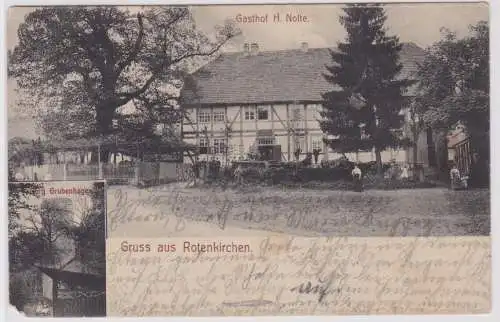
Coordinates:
column 306, row 276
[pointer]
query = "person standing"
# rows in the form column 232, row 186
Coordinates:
column 357, row 177
column 457, row 182
column 404, row 172
column 238, row 174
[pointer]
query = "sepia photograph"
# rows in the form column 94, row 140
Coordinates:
column 318, row 121
column 57, row 263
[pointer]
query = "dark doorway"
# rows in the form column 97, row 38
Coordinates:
column 270, row 152
column 265, row 152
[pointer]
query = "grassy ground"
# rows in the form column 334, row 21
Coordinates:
column 308, row 212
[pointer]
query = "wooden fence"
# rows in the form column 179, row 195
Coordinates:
column 129, row 173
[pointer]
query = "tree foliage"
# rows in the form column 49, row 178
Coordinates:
column 19, row 201
column 364, row 107
column 83, row 64
column 454, row 85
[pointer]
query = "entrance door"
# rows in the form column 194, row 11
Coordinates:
column 266, row 152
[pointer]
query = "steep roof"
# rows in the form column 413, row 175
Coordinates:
column 273, row 76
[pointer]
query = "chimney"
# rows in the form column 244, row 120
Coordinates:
column 254, row 48
column 304, row 46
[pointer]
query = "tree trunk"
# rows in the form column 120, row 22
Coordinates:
column 415, row 154
column 105, row 112
column 442, row 154
column 105, row 154
column 378, row 158
column 93, row 156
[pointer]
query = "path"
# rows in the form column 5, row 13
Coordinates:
column 421, row 212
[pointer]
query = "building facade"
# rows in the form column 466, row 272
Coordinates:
column 269, row 103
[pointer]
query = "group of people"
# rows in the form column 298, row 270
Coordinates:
column 477, row 177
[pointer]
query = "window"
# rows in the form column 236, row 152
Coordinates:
column 265, row 141
column 249, row 113
column 219, row 146
column 203, row 147
column 204, row 117
column 219, row 116
column 317, row 144
column 263, row 113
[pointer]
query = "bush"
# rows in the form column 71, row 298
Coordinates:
column 395, row 184
column 371, row 167
column 324, row 174
column 277, row 175
column 252, row 174
column 293, row 175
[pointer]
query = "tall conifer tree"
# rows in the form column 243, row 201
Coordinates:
column 362, row 110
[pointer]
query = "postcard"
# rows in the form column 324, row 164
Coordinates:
column 319, row 159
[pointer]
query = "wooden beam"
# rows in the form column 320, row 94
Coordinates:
column 288, row 129
column 197, row 118
column 306, row 134
column 256, row 114
column 287, row 124
column 212, row 122
column 241, row 114
column 235, row 117
column 272, row 117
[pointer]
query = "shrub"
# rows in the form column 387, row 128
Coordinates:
column 252, row 174
column 277, row 175
column 395, row 184
column 324, row 174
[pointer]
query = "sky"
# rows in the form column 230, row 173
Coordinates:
column 420, row 23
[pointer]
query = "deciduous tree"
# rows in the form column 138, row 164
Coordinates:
column 78, row 66
column 454, row 85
